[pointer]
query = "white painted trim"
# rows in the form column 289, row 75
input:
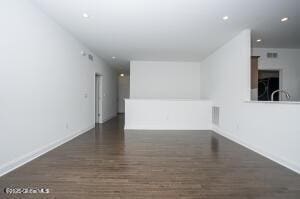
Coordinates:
column 165, row 99
column 14, row 164
column 159, row 127
column 287, row 164
column 272, row 102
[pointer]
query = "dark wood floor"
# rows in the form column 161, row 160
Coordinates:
column 108, row 163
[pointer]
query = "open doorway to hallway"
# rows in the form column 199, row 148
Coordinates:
column 123, row 91
column 98, row 98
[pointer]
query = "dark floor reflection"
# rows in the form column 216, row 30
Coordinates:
column 111, row 133
column 214, row 146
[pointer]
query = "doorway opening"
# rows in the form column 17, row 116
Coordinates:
column 98, row 98
column 268, row 82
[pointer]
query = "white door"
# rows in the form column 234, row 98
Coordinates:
column 98, row 99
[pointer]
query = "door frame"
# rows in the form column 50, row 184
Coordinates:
column 98, row 89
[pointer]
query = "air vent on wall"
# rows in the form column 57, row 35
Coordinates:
column 91, row 57
column 272, row 55
column 215, row 115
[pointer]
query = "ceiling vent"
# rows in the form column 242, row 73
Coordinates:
column 272, row 55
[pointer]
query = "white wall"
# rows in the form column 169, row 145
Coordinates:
column 164, row 80
column 43, row 83
column 288, row 62
column 123, row 92
column 163, row 114
column 271, row 129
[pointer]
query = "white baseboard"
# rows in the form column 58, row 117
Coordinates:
column 168, row 128
column 278, row 160
column 14, row 164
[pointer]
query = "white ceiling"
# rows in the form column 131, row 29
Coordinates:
column 173, row 30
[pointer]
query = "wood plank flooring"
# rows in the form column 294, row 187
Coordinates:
column 107, row 162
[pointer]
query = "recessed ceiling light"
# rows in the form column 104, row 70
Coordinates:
column 113, row 57
column 122, row 75
column 225, row 18
column 85, row 15
column 284, row 19
column 83, row 53
column 258, row 40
